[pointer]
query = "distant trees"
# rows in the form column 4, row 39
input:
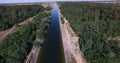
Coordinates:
column 11, row 15
column 95, row 23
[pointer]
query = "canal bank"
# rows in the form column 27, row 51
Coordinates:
column 70, row 42
column 52, row 49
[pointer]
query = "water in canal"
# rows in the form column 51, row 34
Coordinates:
column 52, row 50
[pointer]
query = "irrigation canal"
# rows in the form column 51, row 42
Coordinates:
column 52, row 50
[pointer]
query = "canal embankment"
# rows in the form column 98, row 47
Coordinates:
column 40, row 35
column 70, row 42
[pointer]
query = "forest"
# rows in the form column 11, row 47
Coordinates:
column 11, row 15
column 97, row 25
column 17, row 45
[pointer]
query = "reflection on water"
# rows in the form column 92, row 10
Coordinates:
column 52, row 50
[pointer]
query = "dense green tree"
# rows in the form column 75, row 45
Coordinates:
column 95, row 23
column 15, row 47
column 11, row 15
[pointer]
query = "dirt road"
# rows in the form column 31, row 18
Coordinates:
column 3, row 34
column 70, row 42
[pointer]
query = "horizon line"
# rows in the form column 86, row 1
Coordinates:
column 52, row 1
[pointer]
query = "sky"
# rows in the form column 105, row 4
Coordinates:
column 22, row 1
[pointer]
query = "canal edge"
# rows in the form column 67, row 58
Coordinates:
column 60, row 24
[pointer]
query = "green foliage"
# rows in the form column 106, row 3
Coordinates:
column 62, row 20
column 48, row 8
column 11, row 15
column 95, row 23
column 17, row 45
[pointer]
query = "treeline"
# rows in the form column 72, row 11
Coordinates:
column 17, row 45
column 11, row 15
column 97, row 24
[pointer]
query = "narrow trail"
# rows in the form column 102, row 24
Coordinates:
column 73, row 44
column 70, row 42
column 4, row 33
column 66, row 51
